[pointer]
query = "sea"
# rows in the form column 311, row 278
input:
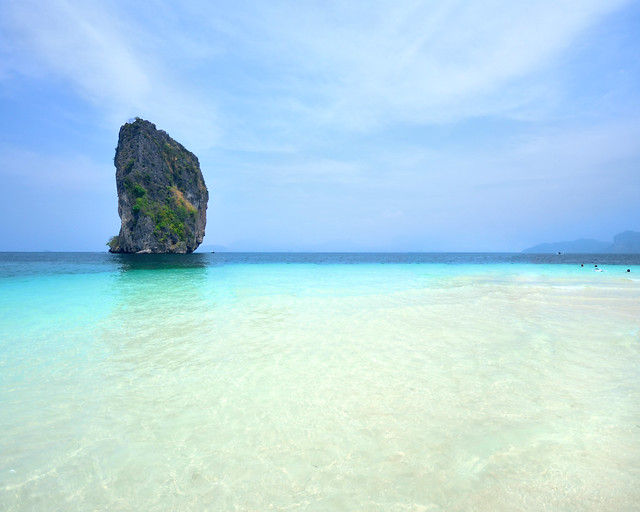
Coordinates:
column 319, row 382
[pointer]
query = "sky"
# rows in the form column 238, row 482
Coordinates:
column 328, row 125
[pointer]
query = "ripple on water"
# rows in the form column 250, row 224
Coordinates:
column 321, row 387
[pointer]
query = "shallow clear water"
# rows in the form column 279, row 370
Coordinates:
column 319, row 382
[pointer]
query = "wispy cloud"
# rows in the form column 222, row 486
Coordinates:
column 107, row 58
column 343, row 65
column 82, row 44
column 410, row 61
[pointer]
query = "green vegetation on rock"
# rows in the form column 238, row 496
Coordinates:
column 113, row 242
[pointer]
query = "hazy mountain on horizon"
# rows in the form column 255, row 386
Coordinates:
column 627, row 242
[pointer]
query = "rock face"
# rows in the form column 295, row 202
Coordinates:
column 626, row 243
column 623, row 243
column 162, row 197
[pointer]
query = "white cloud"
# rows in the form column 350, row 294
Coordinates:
column 353, row 65
column 110, row 60
column 81, row 45
column 377, row 62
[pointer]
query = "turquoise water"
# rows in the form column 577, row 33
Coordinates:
column 319, row 382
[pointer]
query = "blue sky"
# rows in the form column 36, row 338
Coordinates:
column 321, row 125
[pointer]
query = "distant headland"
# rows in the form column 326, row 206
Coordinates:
column 162, row 197
column 623, row 243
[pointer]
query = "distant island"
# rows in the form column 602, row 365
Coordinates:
column 162, row 197
column 623, row 243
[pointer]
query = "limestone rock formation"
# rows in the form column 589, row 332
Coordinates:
column 626, row 243
column 162, row 197
column 623, row 243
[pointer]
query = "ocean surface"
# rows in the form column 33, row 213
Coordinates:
column 319, row 382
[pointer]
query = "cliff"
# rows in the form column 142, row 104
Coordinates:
column 623, row 243
column 626, row 243
column 162, row 197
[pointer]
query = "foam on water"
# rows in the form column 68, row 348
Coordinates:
column 154, row 385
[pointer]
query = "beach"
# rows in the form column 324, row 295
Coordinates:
column 293, row 382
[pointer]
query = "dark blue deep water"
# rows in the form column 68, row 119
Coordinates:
column 29, row 263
